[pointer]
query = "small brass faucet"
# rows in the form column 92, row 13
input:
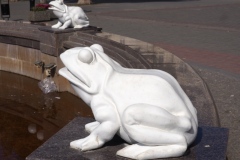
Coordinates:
column 50, row 69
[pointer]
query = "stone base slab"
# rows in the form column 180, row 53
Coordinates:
column 210, row 144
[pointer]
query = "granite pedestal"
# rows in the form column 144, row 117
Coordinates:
column 210, row 144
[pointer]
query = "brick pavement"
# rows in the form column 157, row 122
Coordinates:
column 223, row 61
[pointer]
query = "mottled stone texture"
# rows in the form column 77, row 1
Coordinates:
column 210, row 144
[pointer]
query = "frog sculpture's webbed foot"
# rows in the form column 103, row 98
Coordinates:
column 90, row 142
column 140, row 151
column 81, row 23
column 79, row 26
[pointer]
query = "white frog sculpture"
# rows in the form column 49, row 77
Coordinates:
column 146, row 108
column 68, row 16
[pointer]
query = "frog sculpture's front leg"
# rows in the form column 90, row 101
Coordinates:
column 157, row 132
column 59, row 24
column 102, row 130
column 66, row 20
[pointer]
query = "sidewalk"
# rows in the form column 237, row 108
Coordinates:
column 206, row 34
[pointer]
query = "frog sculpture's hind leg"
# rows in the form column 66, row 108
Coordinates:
column 91, row 126
column 79, row 23
column 66, row 24
column 156, row 131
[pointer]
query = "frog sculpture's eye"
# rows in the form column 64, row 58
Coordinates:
column 86, row 56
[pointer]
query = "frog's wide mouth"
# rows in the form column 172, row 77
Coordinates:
column 73, row 79
column 57, row 7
